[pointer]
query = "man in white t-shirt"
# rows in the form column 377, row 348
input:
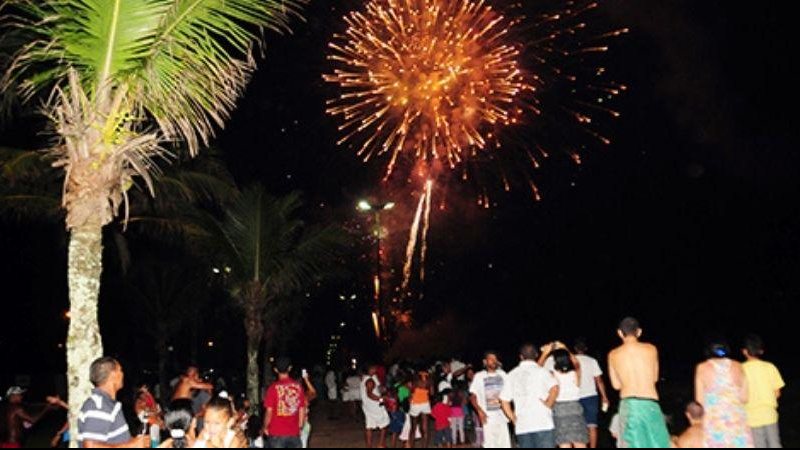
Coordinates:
column 533, row 390
column 593, row 388
column 485, row 393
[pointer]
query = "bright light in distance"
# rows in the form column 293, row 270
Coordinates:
column 364, row 205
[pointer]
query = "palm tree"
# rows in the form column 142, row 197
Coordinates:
column 272, row 254
column 120, row 79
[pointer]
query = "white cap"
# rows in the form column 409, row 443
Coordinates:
column 15, row 390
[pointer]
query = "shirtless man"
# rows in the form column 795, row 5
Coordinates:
column 16, row 417
column 190, row 381
column 693, row 437
column 634, row 371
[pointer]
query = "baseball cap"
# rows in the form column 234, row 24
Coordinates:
column 15, row 390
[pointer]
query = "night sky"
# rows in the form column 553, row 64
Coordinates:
column 689, row 221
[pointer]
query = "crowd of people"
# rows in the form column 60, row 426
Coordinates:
column 552, row 398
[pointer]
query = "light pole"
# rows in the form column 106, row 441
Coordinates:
column 366, row 207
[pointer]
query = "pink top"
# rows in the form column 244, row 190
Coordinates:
column 456, row 411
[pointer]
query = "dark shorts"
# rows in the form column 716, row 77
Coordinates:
column 284, row 442
column 443, row 437
column 591, row 410
column 398, row 421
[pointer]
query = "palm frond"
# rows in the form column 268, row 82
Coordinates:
column 273, row 246
column 202, row 60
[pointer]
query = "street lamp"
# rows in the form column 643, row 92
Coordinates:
column 365, row 206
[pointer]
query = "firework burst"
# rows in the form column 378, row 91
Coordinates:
column 425, row 80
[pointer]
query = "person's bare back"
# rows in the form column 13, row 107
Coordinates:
column 189, row 382
column 633, row 368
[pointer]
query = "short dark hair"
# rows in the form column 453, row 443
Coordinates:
column 580, row 345
column 695, row 410
column 489, row 352
column 754, row 345
column 563, row 361
column 101, row 369
column 283, row 365
column 629, row 326
column 529, row 352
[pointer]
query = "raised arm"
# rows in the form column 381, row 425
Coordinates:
column 311, row 391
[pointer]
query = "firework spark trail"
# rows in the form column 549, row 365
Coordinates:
column 426, row 226
column 412, row 244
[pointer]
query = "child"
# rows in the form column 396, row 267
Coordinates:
column 178, row 424
column 457, row 417
column 441, row 414
column 218, row 427
column 397, row 416
column 764, row 384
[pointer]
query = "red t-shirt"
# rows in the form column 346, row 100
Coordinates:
column 441, row 414
column 286, row 398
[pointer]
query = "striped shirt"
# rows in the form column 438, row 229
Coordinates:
column 101, row 420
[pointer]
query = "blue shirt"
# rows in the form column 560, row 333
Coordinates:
column 101, row 420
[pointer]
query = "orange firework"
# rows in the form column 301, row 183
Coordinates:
column 425, row 79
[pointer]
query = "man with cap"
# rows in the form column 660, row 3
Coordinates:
column 17, row 417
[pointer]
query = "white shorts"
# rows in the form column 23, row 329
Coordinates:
column 406, row 433
column 419, row 408
column 377, row 421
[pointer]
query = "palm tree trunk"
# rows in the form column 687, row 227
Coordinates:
column 163, row 358
column 254, row 328
column 253, row 375
column 84, row 343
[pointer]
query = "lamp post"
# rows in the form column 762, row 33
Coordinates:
column 366, row 207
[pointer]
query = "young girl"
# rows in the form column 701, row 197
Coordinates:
column 178, row 424
column 457, row 416
column 218, row 427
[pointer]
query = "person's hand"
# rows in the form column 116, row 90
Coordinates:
column 558, row 345
column 483, row 417
column 141, row 442
column 606, row 405
column 55, row 441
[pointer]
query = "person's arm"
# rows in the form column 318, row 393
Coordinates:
column 303, row 417
column 509, row 411
column 267, row 420
column 699, row 396
column 56, row 401
column 744, row 389
column 481, row 414
column 57, row 438
column 551, row 399
column 201, row 386
column 612, row 374
column 371, row 391
column 460, row 372
column 22, row 414
column 546, row 351
column 601, row 388
column 311, row 391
